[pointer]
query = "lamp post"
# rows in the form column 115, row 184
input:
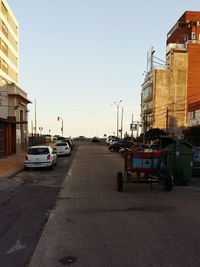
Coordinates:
column 122, row 118
column 117, row 104
column 40, row 129
column 59, row 118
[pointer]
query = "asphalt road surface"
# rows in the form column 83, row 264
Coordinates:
column 26, row 201
column 93, row 225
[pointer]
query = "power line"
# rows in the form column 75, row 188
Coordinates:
column 182, row 99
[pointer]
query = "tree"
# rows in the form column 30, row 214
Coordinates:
column 154, row 134
column 192, row 135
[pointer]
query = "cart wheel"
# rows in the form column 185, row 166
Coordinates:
column 119, row 182
column 168, row 182
column 166, row 179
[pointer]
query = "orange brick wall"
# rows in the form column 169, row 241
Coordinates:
column 178, row 35
column 193, row 82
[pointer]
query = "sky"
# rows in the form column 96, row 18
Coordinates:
column 78, row 57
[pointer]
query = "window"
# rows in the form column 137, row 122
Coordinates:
column 21, row 115
column 193, row 36
column 38, row 151
column 147, row 92
column 4, row 47
column 185, row 37
column 4, row 66
column 193, row 115
column 4, row 29
column 4, row 10
column 62, row 144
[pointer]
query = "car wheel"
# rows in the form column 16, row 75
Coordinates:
column 52, row 166
column 25, row 168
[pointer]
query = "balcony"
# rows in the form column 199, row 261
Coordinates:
column 147, row 98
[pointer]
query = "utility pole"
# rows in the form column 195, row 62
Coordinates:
column 132, row 128
column 138, row 125
column 32, row 128
column 35, row 119
column 122, row 122
column 145, row 127
column 117, row 104
column 167, row 120
column 59, row 118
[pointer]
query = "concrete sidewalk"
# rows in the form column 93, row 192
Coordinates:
column 93, row 225
column 89, row 186
column 11, row 165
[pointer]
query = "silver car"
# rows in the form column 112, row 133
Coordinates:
column 40, row 156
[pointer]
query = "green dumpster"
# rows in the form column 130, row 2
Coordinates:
column 179, row 161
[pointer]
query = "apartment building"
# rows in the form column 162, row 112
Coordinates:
column 13, row 100
column 9, row 45
column 177, row 84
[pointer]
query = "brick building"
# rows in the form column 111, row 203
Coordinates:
column 187, row 32
column 177, row 84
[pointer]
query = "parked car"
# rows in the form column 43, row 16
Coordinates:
column 40, row 156
column 62, row 148
column 58, row 137
column 70, row 142
column 109, row 138
column 196, row 161
column 95, row 139
column 115, row 147
column 80, row 138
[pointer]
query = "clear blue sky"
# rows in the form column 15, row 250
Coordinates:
column 79, row 56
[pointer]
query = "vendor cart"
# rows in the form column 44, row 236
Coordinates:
column 145, row 167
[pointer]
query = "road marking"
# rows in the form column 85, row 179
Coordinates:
column 17, row 246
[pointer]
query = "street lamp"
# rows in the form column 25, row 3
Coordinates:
column 59, row 118
column 117, row 104
column 40, row 129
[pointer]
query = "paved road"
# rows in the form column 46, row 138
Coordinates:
column 93, row 225
column 26, row 201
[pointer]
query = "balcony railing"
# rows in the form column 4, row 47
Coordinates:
column 193, row 42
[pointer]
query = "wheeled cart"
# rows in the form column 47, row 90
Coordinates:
column 145, row 167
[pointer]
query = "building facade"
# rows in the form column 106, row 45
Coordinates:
column 9, row 45
column 186, row 32
column 194, row 113
column 13, row 119
column 13, row 100
column 177, row 84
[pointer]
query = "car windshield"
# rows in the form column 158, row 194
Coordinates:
column 38, row 151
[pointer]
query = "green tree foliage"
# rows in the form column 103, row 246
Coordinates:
column 140, row 138
column 154, row 134
column 192, row 135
